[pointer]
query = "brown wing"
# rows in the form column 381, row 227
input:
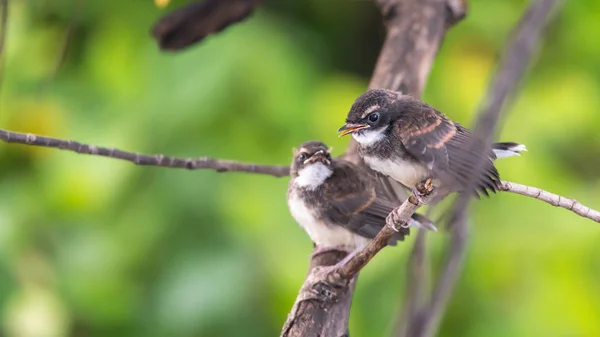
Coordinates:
column 356, row 205
column 448, row 149
column 193, row 22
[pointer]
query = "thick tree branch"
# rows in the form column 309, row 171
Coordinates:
column 318, row 303
column 552, row 199
column 415, row 29
column 142, row 159
column 509, row 73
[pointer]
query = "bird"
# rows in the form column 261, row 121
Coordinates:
column 410, row 141
column 342, row 206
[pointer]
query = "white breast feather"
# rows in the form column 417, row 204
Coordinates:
column 369, row 137
column 321, row 233
column 402, row 171
column 313, row 175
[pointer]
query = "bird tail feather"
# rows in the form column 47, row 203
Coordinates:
column 508, row 149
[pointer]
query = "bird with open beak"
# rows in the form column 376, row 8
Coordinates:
column 410, row 141
column 340, row 205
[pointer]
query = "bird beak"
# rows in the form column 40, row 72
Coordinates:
column 349, row 128
column 319, row 156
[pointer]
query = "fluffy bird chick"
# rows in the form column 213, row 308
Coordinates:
column 410, row 141
column 336, row 202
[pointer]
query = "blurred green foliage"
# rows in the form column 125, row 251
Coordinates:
column 97, row 247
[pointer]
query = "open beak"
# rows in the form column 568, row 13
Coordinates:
column 319, row 156
column 349, row 128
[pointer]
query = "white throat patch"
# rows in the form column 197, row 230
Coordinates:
column 313, row 175
column 369, row 137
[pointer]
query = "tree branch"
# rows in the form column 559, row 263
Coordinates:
column 552, row 199
column 415, row 29
column 323, row 304
column 142, row 159
column 510, row 71
column 401, row 217
column 220, row 165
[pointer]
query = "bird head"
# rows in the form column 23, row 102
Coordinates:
column 369, row 116
column 314, row 155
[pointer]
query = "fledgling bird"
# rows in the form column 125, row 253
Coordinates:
column 340, row 205
column 410, row 141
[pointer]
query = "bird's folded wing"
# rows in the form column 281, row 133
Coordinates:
column 449, row 150
column 364, row 213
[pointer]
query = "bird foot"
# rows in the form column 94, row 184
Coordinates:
column 422, row 189
column 331, row 273
column 393, row 220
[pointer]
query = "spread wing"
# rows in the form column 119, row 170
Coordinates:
column 449, row 150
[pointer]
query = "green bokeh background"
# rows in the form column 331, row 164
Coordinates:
column 99, row 247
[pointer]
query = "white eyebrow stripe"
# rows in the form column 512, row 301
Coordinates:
column 369, row 110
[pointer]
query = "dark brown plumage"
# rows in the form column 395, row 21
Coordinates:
column 410, row 141
column 339, row 204
column 195, row 21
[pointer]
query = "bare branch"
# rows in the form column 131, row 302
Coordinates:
column 234, row 166
column 415, row 29
column 320, row 307
column 510, row 71
column 142, row 159
column 402, row 216
column 552, row 199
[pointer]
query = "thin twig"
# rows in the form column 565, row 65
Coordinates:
column 552, row 199
column 403, row 214
column 143, row 159
column 234, row 166
column 508, row 75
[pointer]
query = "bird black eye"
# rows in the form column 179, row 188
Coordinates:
column 302, row 157
column 374, row 117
